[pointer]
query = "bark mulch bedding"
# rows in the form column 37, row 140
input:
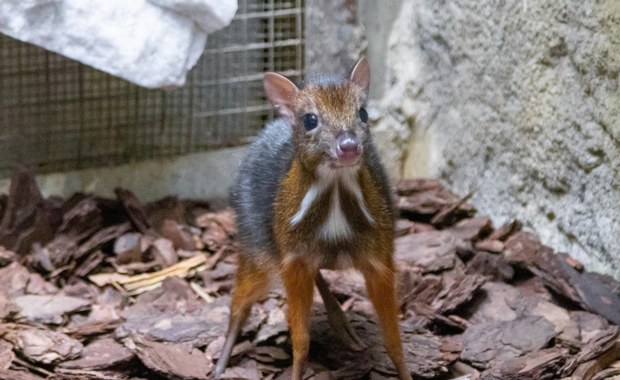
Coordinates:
column 94, row 288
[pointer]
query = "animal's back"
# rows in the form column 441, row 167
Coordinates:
column 267, row 162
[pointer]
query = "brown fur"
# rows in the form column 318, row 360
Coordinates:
column 336, row 108
column 299, row 284
column 300, row 251
column 371, row 245
column 299, row 239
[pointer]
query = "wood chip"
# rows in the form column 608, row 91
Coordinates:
column 6, row 256
column 214, row 236
column 177, row 234
column 490, row 265
column 421, row 199
column 590, row 325
column 167, row 208
column 522, row 249
column 461, row 291
column 7, row 374
column 38, row 285
column 496, row 303
column 490, row 245
column 26, row 218
column 433, row 251
column 489, row 341
column 101, row 237
column 269, row 354
column 100, row 354
column 586, row 289
column 134, row 210
column 496, row 299
column 44, row 346
column 143, row 282
column 128, row 248
column 539, row 365
column 448, row 215
column 247, row 370
column 176, row 317
column 173, row 360
column 6, row 354
column 48, row 308
column 224, row 218
column 472, row 228
column 403, row 227
column 595, row 356
column 164, row 252
column 82, row 374
column 506, row 230
column 14, row 279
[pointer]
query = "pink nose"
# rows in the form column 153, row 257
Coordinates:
column 348, row 147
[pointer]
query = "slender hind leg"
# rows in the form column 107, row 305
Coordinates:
column 251, row 285
column 298, row 279
column 379, row 276
column 336, row 317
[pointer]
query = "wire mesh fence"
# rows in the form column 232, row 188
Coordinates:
column 59, row 115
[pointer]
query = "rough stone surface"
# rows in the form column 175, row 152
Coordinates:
column 334, row 38
column 337, row 34
column 377, row 18
column 518, row 101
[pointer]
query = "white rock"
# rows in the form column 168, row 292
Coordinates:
column 209, row 15
column 138, row 40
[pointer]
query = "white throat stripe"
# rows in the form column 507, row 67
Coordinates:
column 354, row 187
column 336, row 226
column 306, row 203
column 336, row 220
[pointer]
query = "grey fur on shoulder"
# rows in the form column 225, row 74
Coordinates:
column 268, row 160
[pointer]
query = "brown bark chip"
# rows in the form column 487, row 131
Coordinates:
column 113, row 289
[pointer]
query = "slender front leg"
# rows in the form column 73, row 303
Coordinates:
column 379, row 276
column 336, row 317
column 298, row 279
column 251, row 285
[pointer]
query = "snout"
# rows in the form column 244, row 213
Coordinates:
column 348, row 148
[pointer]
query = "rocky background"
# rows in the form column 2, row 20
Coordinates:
column 516, row 101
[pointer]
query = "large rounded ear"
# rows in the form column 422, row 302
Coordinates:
column 281, row 93
column 361, row 75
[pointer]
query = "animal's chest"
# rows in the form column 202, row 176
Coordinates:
column 332, row 215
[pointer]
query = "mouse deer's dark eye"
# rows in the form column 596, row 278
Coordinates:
column 310, row 121
column 363, row 115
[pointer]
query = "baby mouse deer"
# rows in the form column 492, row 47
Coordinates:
column 312, row 194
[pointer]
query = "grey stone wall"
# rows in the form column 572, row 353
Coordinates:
column 517, row 100
column 334, row 37
column 337, row 34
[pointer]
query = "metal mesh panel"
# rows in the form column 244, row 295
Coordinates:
column 58, row 115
